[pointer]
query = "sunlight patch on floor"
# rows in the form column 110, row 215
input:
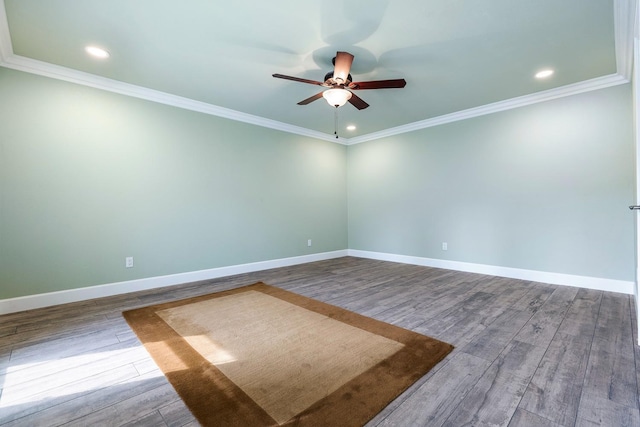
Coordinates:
column 43, row 380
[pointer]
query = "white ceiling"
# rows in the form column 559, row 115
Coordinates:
column 460, row 58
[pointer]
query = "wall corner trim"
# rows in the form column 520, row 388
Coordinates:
column 31, row 302
column 624, row 29
column 595, row 283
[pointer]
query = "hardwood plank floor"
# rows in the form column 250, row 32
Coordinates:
column 527, row 354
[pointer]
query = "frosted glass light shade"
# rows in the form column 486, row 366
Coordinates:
column 336, row 97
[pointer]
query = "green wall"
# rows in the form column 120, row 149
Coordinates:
column 544, row 187
column 89, row 177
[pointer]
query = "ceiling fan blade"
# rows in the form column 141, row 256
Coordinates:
column 379, row 84
column 357, row 102
column 297, row 79
column 310, row 99
column 342, row 66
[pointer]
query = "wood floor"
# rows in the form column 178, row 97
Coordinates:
column 527, row 354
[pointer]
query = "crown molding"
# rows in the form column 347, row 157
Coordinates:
column 9, row 60
column 41, row 68
column 572, row 89
column 624, row 23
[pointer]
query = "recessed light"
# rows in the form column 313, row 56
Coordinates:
column 351, row 127
column 97, row 52
column 544, row 74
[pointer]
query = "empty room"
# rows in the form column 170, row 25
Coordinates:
column 408, row 213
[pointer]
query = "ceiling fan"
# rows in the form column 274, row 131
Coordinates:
column 340, row 84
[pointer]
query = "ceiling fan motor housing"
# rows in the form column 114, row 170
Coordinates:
column 329, row 81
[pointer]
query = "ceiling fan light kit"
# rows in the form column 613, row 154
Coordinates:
column 337, row 97
column 341, row 86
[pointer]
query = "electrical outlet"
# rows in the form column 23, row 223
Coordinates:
column 309, row 242
column 445, row 246
column 128, row 262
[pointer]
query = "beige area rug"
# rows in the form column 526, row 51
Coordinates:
column 262, row 356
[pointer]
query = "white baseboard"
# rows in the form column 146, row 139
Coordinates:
column 31, row 302
column 595, row 283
